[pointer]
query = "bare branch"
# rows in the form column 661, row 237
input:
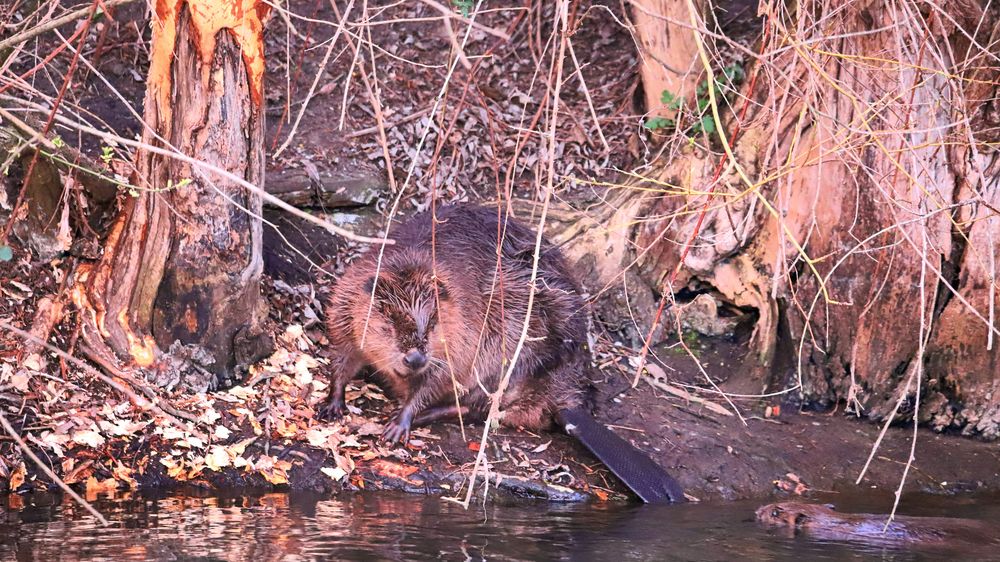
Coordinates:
column 50, row 25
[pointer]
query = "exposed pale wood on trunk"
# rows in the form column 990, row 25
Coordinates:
column 865, row 210
column 183, row 263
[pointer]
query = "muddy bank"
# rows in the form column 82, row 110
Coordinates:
column 720, row 458
column 264, row 433
column 263, row 436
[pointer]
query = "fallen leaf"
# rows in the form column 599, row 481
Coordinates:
column 370, row 428
column 293, row 332
column 191, row 442
column 273, row 470
column 19, row 380
column 792, row 483
column 55, row 441
column 238, row 448
column 78, row 474
column 320, row 437
column 123, row 473
column 242, row 392
column 337, row 473
column 285, row 428
column 121, row 427
column 345, row 463
column 170, row 433
column 34, row 362
column 175, row 468
column 392, row 469
column 209, row 416
column 17, row 291
column 541, row 448
column 303, row 369
column 95, row 486
column 17, row 477
column 217, row 458
column 89, row 437
column 349, row 442
column 222, row 432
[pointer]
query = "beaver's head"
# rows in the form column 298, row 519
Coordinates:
column 790, row 514
column 403, row 332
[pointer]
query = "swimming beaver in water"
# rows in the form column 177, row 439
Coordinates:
column 821, row 521
column 453, row 314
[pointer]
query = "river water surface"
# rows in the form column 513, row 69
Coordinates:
column 391, row 526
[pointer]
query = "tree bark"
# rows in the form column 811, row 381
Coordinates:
column 871, row 223
column 669, row 57
column 182, row 265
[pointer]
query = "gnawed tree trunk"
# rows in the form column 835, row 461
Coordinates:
column 871, row 222
column 181, row 268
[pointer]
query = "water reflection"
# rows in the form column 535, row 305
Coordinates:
column 387, row 526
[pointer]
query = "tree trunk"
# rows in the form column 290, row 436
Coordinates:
column 182, row 265
column 669, row 58
column 870, row 224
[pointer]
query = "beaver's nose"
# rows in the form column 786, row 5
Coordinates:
column 415, row 359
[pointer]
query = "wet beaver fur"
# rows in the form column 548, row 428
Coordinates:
column 445, row 320
column 823, row 522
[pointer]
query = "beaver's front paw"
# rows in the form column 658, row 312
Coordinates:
column 333, row 410
column 398, row 430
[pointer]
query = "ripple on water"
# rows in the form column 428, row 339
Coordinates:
column 391, row 526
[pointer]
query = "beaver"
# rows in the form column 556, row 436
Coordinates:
column 440, row 316
column 821, row 521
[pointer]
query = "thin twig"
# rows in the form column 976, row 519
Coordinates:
column 413, row 164
column 369, row 130
column 35, row 136
column 139, row 401
column 315, row 82
column 562, row 17
column 48, row 471
column 459, row 51
column 925, row 311
column 267, row 197
column 586, row 95
column 52, row 24
column 452, row 14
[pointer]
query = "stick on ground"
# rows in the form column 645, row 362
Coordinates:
column 48, row 471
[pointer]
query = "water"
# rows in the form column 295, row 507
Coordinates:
column 390, row 526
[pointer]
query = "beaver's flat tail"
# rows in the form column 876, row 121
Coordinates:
column 639, row 472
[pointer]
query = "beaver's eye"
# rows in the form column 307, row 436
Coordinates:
column 775, row 513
